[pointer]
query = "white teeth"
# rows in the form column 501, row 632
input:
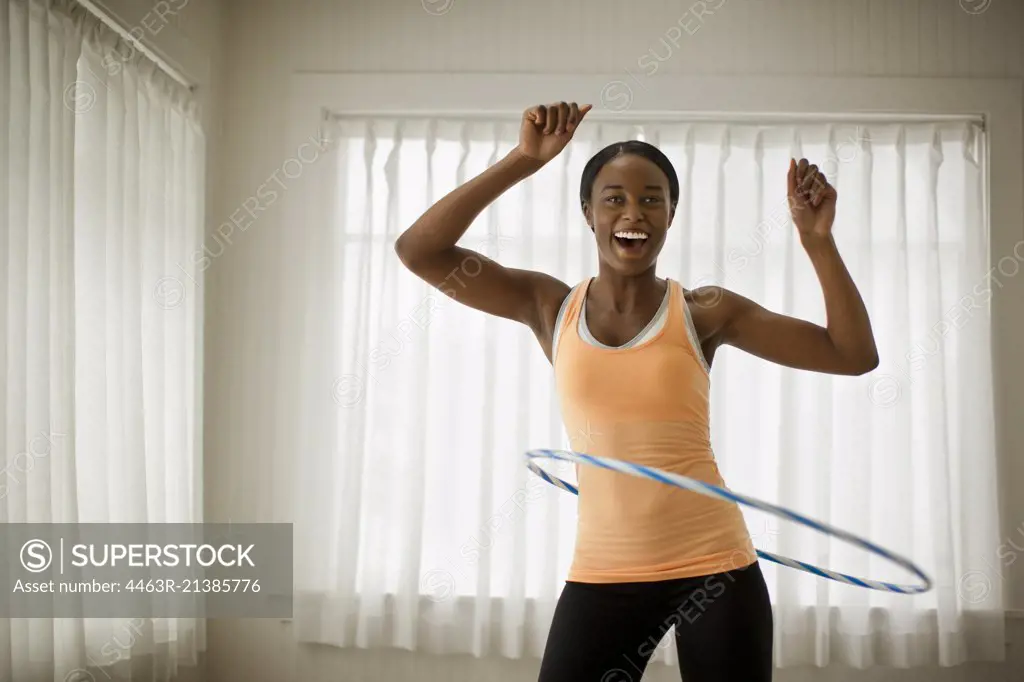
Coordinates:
column 631, row 235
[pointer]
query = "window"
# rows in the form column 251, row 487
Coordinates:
column 427, row 504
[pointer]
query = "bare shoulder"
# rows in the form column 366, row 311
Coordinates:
column 549, row 294
column 544, row 288
column 711, row 307
column 705, row 296
column 546, row 291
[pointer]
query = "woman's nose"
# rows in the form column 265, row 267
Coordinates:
column 633, row 212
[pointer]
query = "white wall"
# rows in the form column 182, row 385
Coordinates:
column 267, row 40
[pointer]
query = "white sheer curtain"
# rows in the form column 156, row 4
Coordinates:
column 100, row 199
column 417, row 523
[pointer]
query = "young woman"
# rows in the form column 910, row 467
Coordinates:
column 631, row 354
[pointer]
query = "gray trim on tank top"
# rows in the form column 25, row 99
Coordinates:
column 558, row 318
column 659, row 318
column 691, row 332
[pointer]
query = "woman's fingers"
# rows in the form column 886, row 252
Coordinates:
column 801, row 171
column 537, row 115
column 807, row 185
column 810, row 176
column 561, row 119
column 574, row 117
column 580, row 113
column 541, row 116
column 809, row 181
column 791, row 179
column 818, row 191
column 552, row 121
column 558, row 118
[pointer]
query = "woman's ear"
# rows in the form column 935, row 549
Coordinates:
column 588, row 216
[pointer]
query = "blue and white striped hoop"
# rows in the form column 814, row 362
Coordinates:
column 730, row 496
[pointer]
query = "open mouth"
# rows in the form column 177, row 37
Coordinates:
column 631, row 241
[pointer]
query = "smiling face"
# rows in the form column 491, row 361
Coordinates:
column 630, row 211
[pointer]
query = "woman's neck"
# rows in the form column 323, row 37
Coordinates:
column 624, row 293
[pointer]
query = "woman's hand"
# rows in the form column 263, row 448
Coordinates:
column 812, row 200
column 547, row 129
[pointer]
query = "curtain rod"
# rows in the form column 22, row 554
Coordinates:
column 682, row 117
column 112, row 23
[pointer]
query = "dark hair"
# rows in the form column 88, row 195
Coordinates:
column 648, row 151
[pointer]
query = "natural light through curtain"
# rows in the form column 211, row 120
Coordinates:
column 101, row 207
column 419, row 525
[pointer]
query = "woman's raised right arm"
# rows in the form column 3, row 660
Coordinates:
column 428, row 248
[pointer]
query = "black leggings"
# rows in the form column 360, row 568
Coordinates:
column 608, row 632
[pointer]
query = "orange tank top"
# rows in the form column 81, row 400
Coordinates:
column 646, row 403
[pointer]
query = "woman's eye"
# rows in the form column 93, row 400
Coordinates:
column 645, row 200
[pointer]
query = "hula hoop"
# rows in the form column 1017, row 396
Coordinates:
column 730, row 496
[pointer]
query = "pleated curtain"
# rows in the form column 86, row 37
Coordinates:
column 101, row 207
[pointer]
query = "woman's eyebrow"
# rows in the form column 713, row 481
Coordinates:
column 658, row 188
